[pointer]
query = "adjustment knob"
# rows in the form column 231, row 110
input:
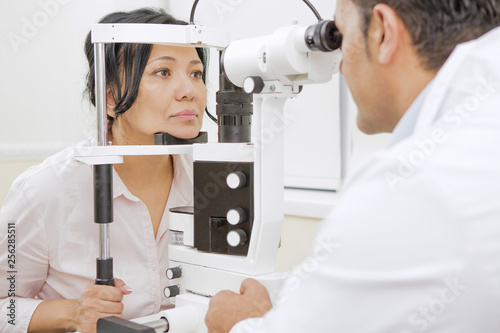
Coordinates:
column 171, row 291
column 174, row 273
column 236, row 180
column 236, row 238
column 253, row 85
column 236, row 216
column 216, row 222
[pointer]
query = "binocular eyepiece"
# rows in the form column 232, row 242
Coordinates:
column 324, row 36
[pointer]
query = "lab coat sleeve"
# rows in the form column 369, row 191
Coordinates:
column 387, row 261
column 24, row 273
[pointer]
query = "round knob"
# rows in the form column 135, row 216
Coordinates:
column 253, row 85
column 236, row 216
column 216, row 223
column 171, row 291
column 236, row 237
column 174, row 273
column 236, row 180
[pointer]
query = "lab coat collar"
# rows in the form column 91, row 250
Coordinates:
column 465, row 55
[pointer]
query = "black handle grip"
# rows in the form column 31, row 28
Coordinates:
column 105, row 272
column 103, row 193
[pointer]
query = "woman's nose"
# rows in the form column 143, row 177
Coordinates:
column 185, row 89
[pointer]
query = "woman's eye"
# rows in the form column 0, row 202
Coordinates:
column 163, row 72
column 197, row 74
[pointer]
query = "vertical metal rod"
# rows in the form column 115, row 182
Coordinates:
column 104, row 252
column 100, row 92
column 103, row 174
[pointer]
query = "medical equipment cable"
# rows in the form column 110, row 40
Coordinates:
column 193, row 10
column 210, row 116
column 309, row 4
column 315, row 11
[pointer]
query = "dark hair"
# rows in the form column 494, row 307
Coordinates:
column 437, row 26
column 125, row 62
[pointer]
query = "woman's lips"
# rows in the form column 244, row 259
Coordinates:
column 186, row 114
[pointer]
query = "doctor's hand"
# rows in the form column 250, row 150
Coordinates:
column 99, row 301
column 227, row 308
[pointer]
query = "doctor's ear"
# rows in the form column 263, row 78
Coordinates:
column 110, row 103
column 387, row 32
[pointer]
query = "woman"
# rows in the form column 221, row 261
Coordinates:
column 150, row 88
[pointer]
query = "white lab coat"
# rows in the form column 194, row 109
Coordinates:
column 414, row 244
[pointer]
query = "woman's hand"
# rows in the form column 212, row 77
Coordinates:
column 99, row 301
column 81, row 315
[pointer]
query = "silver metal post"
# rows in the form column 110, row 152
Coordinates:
column 103, row 174
column 104, row 252
column 100, row 92
column 100, row 96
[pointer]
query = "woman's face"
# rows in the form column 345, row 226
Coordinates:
column 172, row 97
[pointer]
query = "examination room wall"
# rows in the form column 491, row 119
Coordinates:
column 43, row 109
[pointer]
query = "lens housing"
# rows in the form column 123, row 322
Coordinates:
column 323, row 36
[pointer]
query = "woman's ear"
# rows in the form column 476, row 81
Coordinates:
column 110, row 103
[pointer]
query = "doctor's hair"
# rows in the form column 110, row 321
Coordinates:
column 437, row 26
column 126, row 62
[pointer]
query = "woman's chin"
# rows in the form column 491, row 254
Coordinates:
column 185, row 135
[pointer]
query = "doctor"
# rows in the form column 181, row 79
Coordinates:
column 414, row 244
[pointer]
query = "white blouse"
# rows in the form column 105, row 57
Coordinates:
column 50, row 207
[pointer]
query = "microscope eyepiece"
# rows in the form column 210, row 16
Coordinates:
column 323, row 36
column 293, row 54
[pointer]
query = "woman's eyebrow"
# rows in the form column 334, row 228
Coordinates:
column 168, row 58
column 196, row 62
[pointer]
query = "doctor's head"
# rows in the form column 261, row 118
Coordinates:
column 150, row 88
column 393, row 48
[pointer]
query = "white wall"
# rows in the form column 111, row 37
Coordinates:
column 296, row 238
